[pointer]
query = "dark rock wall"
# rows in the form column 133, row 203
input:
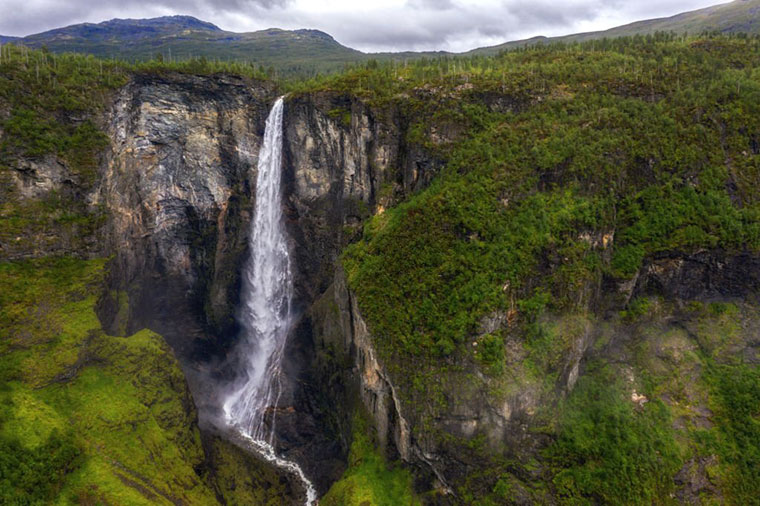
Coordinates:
column 339, row 154
column 705, row 275
column 178, row 185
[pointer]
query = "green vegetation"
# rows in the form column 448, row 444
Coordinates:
column 51, row 114
column 369, row 479
column 48, row 95
column 736, row 436
column 610, row 450
column 91, row 418
column 570, row 166
column 637, row 308
column 53, row 99
column 49, row 106
column 62, row 374
column 612, row 151
column 35, row 476
column 566, row 166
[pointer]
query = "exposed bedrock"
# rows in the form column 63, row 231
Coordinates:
column 177, row 185
column 178, row 182
column 340, row 154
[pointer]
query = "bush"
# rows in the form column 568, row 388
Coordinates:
column 611, row 451
column 735, row 399
column 34, row 476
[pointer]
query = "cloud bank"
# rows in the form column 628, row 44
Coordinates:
column 369, row 25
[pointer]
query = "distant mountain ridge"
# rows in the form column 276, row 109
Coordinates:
column 307, row 51
column 739, row 16
column 183, row 37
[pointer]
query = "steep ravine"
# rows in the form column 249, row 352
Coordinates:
column 153, row 239
column 176, row 187
column 179, row 185
column 174, row 196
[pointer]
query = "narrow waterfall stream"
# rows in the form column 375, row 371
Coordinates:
column 265, row 315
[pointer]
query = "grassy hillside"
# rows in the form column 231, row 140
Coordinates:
column 739, row 16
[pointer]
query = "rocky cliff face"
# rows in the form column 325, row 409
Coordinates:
column 177, row 186
column 343, row 160
column 457, row 428
column 172, row 205
column 432, row 428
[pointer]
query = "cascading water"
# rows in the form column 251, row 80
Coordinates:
column 265, row 315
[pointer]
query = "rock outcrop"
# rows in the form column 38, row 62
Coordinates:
column 343, row 160
column 177, row 186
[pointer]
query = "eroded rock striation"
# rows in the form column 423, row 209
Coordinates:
column 177, row 185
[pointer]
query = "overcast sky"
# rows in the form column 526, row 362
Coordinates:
column 369, row 25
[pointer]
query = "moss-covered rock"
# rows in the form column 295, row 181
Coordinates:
column 116, row 409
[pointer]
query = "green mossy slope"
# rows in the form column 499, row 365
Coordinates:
column 370, row 479
column 117, row 401
column 91, row 418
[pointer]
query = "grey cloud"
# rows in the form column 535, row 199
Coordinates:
column 547, row 13
column 243, row 5
column 415, row 25
column 430, row 4
column 462, row 26
column 25, row 17
column 439, row 28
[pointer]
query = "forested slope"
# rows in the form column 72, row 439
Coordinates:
column 569, row 312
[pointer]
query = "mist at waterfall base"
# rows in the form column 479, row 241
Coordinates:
column 249, row 403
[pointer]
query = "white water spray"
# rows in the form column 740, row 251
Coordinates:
column 266, row 310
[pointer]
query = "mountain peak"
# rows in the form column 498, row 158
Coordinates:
column 163, row 22
column 315, row 33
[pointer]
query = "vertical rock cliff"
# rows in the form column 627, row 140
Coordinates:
column 177, row 186
column 343, row 160
column 171, row 205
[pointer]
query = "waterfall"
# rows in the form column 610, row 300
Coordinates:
column 265, row 314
